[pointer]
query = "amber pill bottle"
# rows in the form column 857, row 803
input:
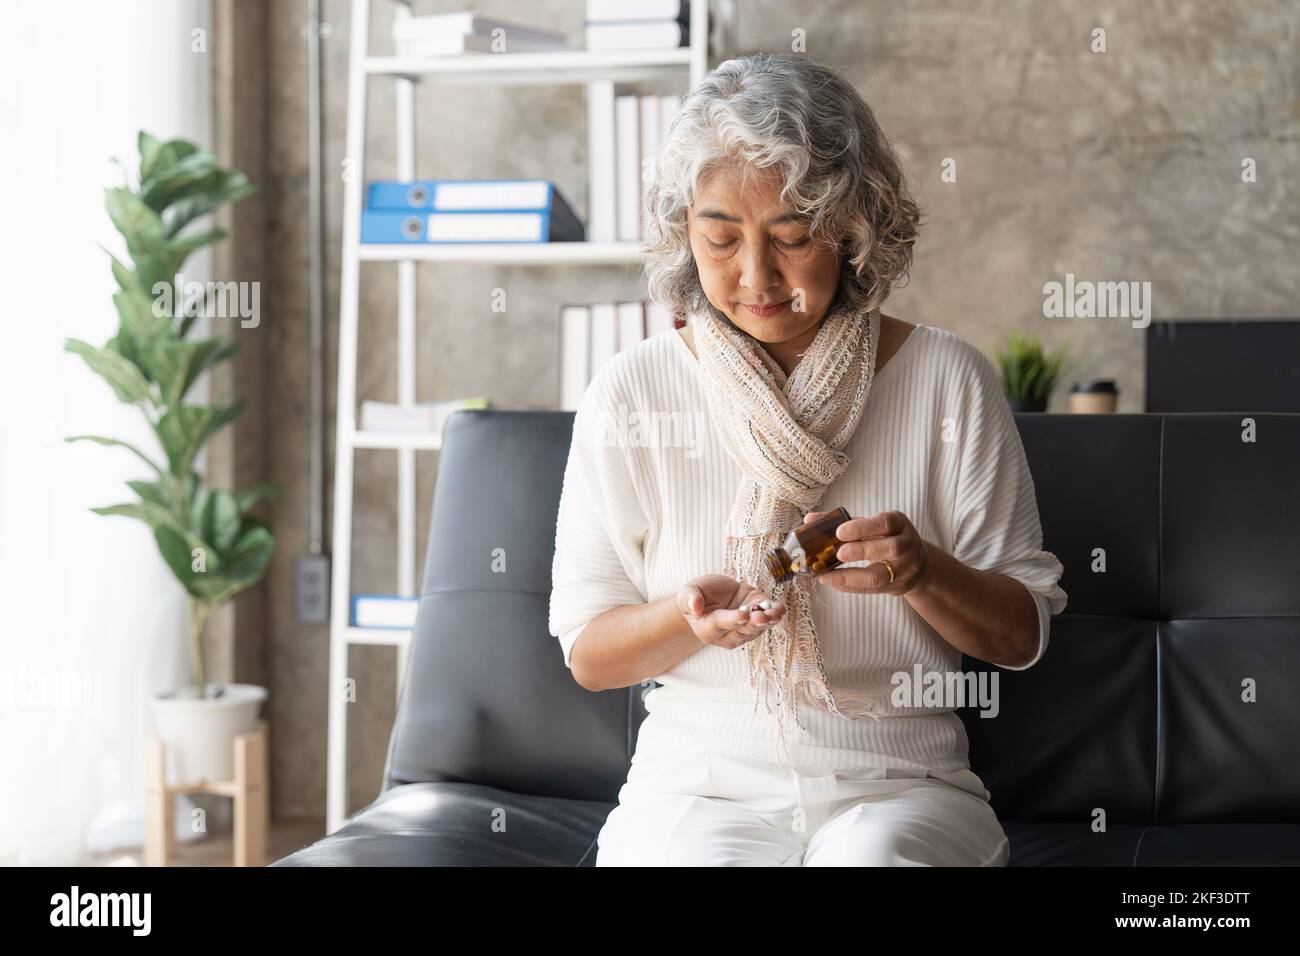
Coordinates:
column 808, row 549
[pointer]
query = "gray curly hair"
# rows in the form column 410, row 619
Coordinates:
column 784, row 111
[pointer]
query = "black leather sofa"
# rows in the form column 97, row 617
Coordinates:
column 1135, row 741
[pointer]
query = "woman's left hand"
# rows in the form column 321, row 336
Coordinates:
column 888, row 536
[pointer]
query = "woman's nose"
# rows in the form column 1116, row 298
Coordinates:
column 757, row 272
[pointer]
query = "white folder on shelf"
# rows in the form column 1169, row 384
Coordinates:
column 631, row 324
column 604, row 335
column 575, row 344
column 628, row 164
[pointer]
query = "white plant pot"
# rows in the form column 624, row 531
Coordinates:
column 199, row 735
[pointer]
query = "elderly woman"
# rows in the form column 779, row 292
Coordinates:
column 779, row 221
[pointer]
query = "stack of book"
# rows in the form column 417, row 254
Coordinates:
column 638, row 24
column 454, row 34
column 421, row 417
column 592, row 334
column 468, row 210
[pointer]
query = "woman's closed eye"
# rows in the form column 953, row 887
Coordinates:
column 722, row 247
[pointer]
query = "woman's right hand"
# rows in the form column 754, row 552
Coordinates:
column 711, row 606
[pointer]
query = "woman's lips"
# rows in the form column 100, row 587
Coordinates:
column 766, row 310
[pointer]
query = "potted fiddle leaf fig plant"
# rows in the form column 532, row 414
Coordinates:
column 1028, row 375
column 207, row 536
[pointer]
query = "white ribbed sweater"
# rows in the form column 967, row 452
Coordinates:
column 648, row 489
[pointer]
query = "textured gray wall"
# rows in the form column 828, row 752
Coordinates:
column 1116, row 166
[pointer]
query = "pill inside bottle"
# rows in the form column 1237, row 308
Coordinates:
column 809, row 549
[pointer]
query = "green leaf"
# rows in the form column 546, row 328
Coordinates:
column 190, row 493
column 1051, row 372
column 113, row 441
column 243, row 568
column 152, row 514
column 1014, row 381
column 171, row 255
column 166, row 156
column 228, row 185
column 176, row 365
column 115, row 344
column 184, row 327
column 149, row 150
column 140, row 225
column 141, row 322
column 196, row 506
column 191, row 174
column 121, row 374
column 255, row 493
column 206, row 360
column 178, row 250
column 150, row 491
column 184, row 429
column 124, row 276
column 1032, row 369
column 137, row 326
column 152, row 269
column 177, row 547
column 220, row 521
column 250, row 557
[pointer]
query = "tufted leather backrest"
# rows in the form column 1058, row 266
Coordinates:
column 1136, row 708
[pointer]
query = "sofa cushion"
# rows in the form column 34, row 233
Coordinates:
column 461, row 824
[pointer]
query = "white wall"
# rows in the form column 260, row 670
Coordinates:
column 88, row 605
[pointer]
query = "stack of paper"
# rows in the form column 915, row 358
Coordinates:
column 453, row 34
column 638, row 24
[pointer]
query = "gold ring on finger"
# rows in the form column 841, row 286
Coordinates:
column 890, row 567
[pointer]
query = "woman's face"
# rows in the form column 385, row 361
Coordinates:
column 750, row 250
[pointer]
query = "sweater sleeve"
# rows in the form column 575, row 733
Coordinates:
column 600, row 527
column 996, row 522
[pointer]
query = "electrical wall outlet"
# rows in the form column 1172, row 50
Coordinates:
column 312, row 588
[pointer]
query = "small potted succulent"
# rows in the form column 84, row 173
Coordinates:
column 1028, row 375
column 207, row 536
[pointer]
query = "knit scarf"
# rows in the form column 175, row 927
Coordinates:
column 787, row 435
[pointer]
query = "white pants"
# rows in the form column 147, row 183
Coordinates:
column 704, row 809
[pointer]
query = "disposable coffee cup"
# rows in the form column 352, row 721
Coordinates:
column 1098, row 396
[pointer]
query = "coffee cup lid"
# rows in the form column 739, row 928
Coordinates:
column 1095, row 385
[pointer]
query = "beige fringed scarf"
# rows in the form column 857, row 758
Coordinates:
column 788, row 437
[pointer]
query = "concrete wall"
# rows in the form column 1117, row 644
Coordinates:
column 1123, row 165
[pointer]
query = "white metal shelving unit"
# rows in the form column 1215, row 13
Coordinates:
column 598, row 72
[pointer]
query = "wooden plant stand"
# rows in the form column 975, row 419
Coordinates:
column 249, row 790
